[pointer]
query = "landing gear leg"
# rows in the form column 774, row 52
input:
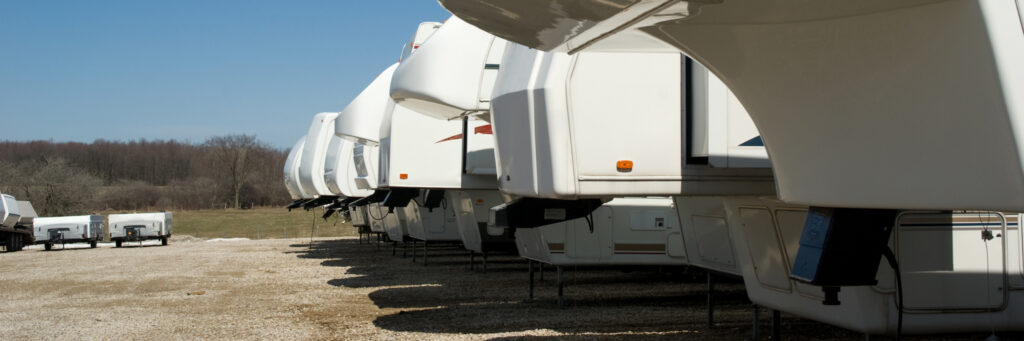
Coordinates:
column 711, row 300
column 530, row 265
column 561, row 286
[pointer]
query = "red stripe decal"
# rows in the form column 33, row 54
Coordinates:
column 453, row 137
column 483, row 129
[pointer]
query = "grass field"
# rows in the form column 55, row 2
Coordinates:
column 272, row 222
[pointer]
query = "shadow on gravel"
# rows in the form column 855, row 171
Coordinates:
column 601, row 303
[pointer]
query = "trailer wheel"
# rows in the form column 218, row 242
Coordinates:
column 92, row 244
column 117, row 243
column 163, row 241
column 48, row 246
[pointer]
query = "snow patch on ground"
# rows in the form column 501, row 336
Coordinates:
column 227, row 239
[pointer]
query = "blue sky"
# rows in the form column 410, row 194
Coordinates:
column 189, row 69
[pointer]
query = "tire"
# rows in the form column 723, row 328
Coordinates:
column 163, row 241
column 48, row 246
column 92, row 244
column 117, row 243
column 19, row 243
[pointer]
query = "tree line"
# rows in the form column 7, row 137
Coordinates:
column 79, row 178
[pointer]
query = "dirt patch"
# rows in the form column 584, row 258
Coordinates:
column 341, row 289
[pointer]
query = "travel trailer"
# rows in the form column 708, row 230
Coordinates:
column 16, row 223
column 313, row 160
column 67, row 230
column 338, row 169
column 366, row 122
column 291, row 175
column 140, row 226
column 448, row 84
column 359, row 123
column 835, row 54
column 814, row 125
column 580, row 150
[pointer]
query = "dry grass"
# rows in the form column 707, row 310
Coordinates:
column 341, row 289
column 272, row 222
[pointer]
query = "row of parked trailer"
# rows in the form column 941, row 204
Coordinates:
column 21, row 227
column 584, row 136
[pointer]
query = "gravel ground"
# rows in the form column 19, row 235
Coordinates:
column 341, row 289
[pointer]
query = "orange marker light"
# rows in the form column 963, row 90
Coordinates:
column 403, row 176
column 480, row 201
column 624, row 165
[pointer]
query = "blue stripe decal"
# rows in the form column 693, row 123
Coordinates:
column 754, row 142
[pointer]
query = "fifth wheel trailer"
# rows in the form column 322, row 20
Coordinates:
column 363, row 122
column 814, row 65
column 140, row 226
column 564, row 147
column 69, row 229
column 313, row 158
column 844, row 93
column 16, row 223
column 450, row 79
column 291, row 175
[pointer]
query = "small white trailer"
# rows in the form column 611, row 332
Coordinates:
column 16, row 222
column 69, row 229
column 141, row 226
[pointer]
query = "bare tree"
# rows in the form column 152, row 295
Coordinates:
column 233, row 153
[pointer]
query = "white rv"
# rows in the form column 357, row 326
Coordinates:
column 564, row 146
column 313, row 158
column 140, row 226
column 804, row 76
column 291, row 175
column 16, row 223
column 450, row 80
column 359, row 123
column 70, row 229
column 365, row 122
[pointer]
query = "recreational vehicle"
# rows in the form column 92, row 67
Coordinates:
column 16, row 223
column 291, row 175
column 804, row 72
column 830, row 58
column 579, row 150
column 140, row 226
column 359, row 123
column 450, row 80
column 367, row 121
column 66, row 230
column 314, row 156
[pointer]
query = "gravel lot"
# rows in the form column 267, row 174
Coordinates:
column 339, row 288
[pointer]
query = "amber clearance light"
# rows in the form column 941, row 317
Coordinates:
column 624, row 165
